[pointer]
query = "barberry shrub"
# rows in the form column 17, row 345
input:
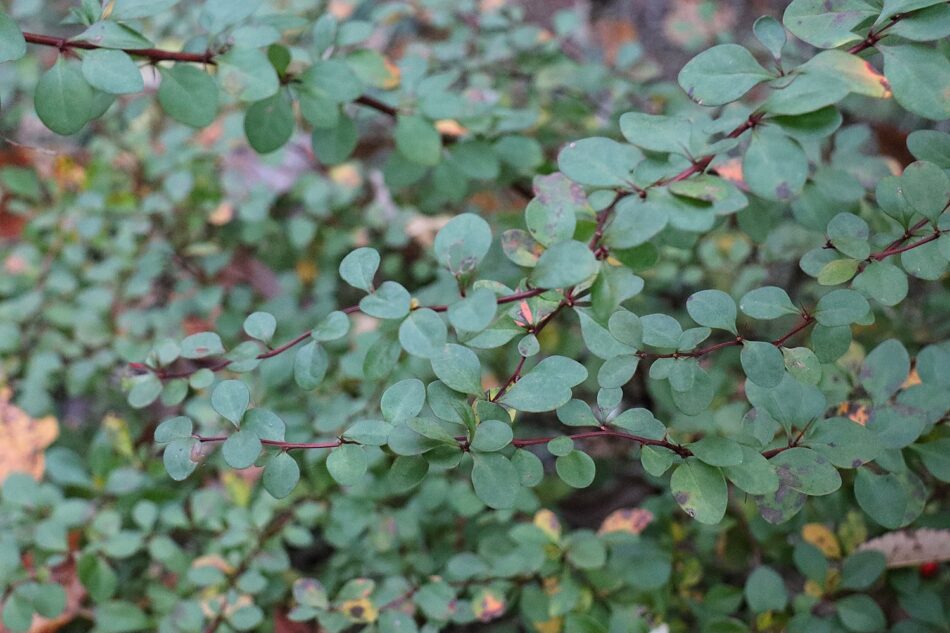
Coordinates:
column 486, row 331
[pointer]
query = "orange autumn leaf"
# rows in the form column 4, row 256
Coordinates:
column 630, row 520
column 23, row 439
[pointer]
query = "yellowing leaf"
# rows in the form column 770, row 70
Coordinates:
column 359, row 610
column 23, row 439
column 548, row 523
column 488, row 604
column 549, row 626
column 822, row 538
column 450, row 127
column 913, row 378
column 813, row 589
column 630, row 520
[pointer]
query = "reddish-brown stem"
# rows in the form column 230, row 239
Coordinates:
column 153, row 54
column 874, row 36
column 520, row 443
column 512, row 379
column 896, row 250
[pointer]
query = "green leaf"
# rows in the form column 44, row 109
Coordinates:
column 423, row 333
column 884, row 370
column 309, row 592
column 599, row 162
column 269, row 123
column 216, row 15
column 334, row 145
column 63, row 99
column 656, row 132
column 640, row 422
column 754, row 475
column 849, row 234
column 475, row 312
column 765, row 590
column 347, row 464
column 882, row 281
column 403, row 400
column 133, row 9
column 771, row 34
column 201, row 345
column 700, row 490
column 546, row 386
column 576, row 469
column 145, row 391
column 118, row 616
column 841, row 307
column 930, row 145
column 936, row 457
column 713, row 308
column 310, row 365
column 179, row 427
column 333, row 80
column 492, row 435
column 359, row 267
column 845, row 443
column 463, row 242
column 774, row 166
column 636, row 221
column 389, row 301
column 918, row 76
column 495, row 479
column 260, row 326
column 189, row 95
column 827, row 23
column 716, row 450
column 802, row 364
column 112, row 71
column 281, row 475
column 230, row 399
column 861, row 569
column 12, row 44
column 369, row 432
column 334, row 326
column 661, row 331
column 97, row 577
column 406, row 472
column 617, row 371
column 927, row 188
column 564, row 264
column 721, row 74
column 860, row 613
column 893, row 500
column 109, row 34
column 241, row 449
column 418, row 140
column 762, row 363
column 247, row 74
column 767, row 302
column 458, row 367
column 806, row 471
column 265, row 424
column 177, row 457
column 837, row 272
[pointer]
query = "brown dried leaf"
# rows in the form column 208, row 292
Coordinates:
column 909, row 548
column 23, row 439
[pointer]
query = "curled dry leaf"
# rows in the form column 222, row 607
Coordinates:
column 909, row 548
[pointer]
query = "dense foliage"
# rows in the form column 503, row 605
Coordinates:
column 485, row 330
